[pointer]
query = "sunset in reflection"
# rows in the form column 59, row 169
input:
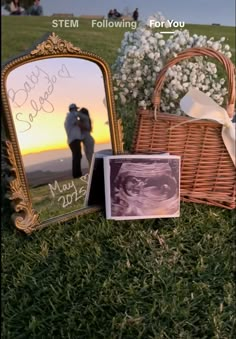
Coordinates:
column 40, row 93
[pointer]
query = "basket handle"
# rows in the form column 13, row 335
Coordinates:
column 192, row 52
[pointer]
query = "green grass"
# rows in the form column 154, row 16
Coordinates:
column 20, row 33
column 101, row 279
column 96, row 278
column 84, row 37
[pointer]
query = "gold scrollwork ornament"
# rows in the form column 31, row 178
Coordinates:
column 55, row 45
column 25, row 217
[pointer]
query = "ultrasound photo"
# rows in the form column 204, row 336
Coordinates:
column 140, row 187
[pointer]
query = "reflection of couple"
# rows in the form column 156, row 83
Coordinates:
column 78, row 128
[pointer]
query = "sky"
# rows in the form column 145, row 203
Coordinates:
column 189, row 11
column 39, row 95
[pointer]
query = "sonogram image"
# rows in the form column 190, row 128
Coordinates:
column 144, row 187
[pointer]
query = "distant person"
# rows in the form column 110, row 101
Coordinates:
column 86, row 129
column 15, row 8
column 110, row 14
column 36, row 9
column 74, row 139
column 116, row 14
column 135, row 14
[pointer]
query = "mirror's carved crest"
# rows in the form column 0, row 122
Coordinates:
column 55, row 45
column 25, row 218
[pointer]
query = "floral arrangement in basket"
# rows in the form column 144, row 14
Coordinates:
column 143, row 54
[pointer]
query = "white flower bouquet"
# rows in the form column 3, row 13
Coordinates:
column 143, row 54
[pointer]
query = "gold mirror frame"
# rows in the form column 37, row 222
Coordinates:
column 24, row 217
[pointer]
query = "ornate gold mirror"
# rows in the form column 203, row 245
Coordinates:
column 37, row 90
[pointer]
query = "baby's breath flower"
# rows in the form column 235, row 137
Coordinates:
column 228, row 54
column 144, row 52
column 151, row 55
column 142, row 103
column 215, row 45
column 161, row 43
column 122, row 98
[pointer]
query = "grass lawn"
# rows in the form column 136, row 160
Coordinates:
column 97, row 278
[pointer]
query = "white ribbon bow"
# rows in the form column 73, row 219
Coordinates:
column 198, row 105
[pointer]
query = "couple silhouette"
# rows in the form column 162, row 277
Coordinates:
column 78, row 128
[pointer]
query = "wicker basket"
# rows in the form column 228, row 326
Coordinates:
column 208, row 174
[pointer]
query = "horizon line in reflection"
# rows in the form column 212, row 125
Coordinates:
column 59, row 148
column 56, row 154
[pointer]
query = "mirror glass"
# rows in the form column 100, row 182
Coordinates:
column 39, row 94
